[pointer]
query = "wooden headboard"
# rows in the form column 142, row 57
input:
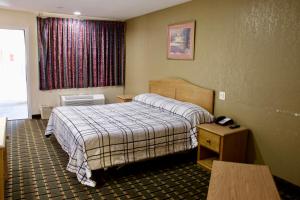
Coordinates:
column 183, row 91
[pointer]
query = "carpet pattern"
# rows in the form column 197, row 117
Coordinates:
column 37, row 170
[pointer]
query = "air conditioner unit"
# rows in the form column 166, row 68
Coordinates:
column 82, row 100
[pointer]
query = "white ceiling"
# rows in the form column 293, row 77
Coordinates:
column 106, row 9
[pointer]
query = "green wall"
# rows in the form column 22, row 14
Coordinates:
column 248, row 48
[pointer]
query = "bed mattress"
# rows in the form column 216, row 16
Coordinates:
column 103, row 136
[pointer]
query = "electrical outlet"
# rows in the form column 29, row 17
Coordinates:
column 222, row 95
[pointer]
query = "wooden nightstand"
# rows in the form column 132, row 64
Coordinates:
column 124, row 98
column 217, row 142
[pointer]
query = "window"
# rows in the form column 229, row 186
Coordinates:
column 80, row 53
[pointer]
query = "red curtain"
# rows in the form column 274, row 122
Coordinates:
column 80, row 53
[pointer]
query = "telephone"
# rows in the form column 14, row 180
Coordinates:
column 223, row 120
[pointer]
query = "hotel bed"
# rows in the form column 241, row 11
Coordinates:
column 152, row 125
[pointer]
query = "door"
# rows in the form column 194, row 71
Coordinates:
column 13, row 86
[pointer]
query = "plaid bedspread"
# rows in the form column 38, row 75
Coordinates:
column 98, row 137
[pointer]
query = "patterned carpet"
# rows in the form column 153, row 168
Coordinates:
column 37, row 171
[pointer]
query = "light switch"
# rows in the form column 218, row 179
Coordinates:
column 222, row 95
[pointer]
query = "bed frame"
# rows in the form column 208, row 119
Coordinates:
column 183, row 91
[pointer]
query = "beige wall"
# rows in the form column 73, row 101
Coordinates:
column 27, row 21
column 247, row 48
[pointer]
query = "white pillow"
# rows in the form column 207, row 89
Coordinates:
column 195, row 114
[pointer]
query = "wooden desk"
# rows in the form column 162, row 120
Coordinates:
column 241, row 181
column 3, row 157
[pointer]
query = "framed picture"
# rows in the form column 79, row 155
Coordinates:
column 181, row 41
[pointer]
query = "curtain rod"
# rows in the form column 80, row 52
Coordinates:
column 46, row 14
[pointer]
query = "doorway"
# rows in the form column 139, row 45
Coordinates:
column 13, row 85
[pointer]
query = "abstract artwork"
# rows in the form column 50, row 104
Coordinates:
column 181, row 41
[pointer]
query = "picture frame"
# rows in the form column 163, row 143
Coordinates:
column 181, row 38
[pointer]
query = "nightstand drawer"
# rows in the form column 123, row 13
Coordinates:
column 209, row 140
